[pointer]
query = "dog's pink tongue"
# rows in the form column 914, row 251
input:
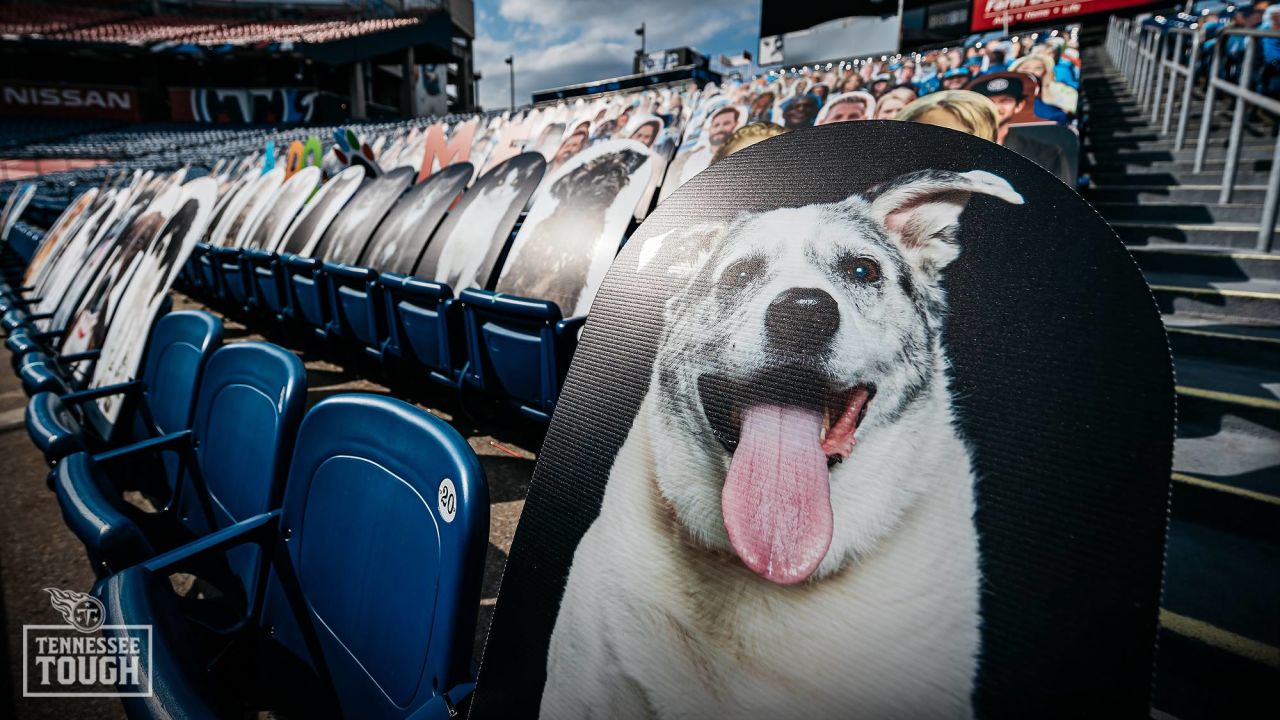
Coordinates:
column 776, row 500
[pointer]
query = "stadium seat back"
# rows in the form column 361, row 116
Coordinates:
column 385, row 517
column 251, row 399
column 181, row 343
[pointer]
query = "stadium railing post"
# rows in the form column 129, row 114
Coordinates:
column 1184, row 112
column 1157, row 70
column 1267, row 225
column 1151, row 91
column 1206, row 115
column 1171, row 66
column 1237, row 122
column 1139, row 65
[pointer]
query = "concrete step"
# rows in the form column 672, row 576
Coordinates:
column 1255, row 344
column 1210, row 261
column 1250, row 300
column 1143, row 176
column 1180, row 213
column 1203, row 672
column 1246, row 384
column 1177, row 194
column 1255, row 150
column 1237, row 236
column 1258, row 167
column 1158, row 141
column 1151, row 131
column 1244, row 597
column 1228, row 478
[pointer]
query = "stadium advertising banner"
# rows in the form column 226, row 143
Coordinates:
column 253, row 105
column 64, row 100
column 991, row 14
column 819, row 32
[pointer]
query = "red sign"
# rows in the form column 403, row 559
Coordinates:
column 993, row 14
column 58, row 100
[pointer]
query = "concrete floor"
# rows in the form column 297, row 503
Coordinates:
column 37, row 551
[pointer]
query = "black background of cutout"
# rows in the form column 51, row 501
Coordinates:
column 1063, row 384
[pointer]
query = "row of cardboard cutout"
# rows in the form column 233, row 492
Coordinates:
column 577, row 218
column 134, row 239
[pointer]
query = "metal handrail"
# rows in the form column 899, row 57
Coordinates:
column 1153, row 59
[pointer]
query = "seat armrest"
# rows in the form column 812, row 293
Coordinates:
column 406, row 286
column 570, row 326
column 353, row 272
column 530, row 308
column 256, row 254
column 256, row 529
column 93, row 394
column 300, row 263
column 80, row 356
column 179, row 440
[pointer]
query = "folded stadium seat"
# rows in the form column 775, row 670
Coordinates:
column 229, row 217
column 355, row 295
column 519, row 348
column 204, row 277
column 277, row 214
column 342, row 243
column 371, row 592
column 521, row 336
column 424, row 320
column 161, row 399
column 231, row 463
column 270, row 279
column 235, row 233
column 43, row 370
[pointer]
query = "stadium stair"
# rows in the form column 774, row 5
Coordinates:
column 1219, row 643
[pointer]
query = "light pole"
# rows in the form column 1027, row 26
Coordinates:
column 511, row 63
column 640, row 32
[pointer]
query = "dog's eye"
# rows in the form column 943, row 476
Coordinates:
column 743, row 271
column 860, row 269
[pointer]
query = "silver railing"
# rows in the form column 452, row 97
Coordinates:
column 1162, row 66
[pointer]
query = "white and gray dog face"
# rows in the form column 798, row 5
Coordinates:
column 799, row 334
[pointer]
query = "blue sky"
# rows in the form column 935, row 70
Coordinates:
column 561, row 42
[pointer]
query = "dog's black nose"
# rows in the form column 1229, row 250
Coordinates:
column 802, row 319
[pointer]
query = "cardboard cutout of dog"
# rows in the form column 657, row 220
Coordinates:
column 795, row 457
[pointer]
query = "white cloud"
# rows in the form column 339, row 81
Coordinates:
column 564, row 42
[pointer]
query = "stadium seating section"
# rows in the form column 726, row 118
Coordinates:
column 421, row 246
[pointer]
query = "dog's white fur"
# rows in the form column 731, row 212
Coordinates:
column 661, row 619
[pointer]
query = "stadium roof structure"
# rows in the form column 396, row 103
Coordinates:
column 333, row 39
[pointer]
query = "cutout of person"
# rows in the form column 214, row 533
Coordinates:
column 962, row 110
column 857, row 105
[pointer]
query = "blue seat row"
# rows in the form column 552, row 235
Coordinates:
column 512, row 348
column 337, row 552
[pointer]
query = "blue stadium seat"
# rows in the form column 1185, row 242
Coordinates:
column 233, row 279
column 231, row 465
column 42, row 369
column 355, row 306
column 160, row 400
column 307, row 288
column 266, row 278
column 519, row 349
column 205, row 271
column 372, row 580
column 424, row 326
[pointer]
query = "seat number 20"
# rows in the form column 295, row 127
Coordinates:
column 448, row 500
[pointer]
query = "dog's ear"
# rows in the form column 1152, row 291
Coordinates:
column 678, row 253
column 922, row 209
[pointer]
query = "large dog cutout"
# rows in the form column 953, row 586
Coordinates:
column 789, row 523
